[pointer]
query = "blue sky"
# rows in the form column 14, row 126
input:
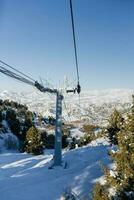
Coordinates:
column 36, row 38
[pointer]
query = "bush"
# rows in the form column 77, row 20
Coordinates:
column 85, row 140
column 10, row 115
column 89, row 134
column 64, row 141
column 72, row 145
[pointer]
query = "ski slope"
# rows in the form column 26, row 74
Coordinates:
column 23, row 176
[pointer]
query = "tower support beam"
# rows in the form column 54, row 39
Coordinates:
column 58, row 131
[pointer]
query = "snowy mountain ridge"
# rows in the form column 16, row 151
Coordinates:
column 95, row 105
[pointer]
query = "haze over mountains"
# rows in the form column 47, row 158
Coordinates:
column 95, row 105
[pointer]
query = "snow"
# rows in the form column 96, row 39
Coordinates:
column 8, row 141
column 100, row 142
column 75, row 132
column 5, row 124
column 25, row 176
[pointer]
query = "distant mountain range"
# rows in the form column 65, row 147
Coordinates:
column 95, row 105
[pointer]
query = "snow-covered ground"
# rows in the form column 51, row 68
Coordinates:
column 96, row 105
column 23, row 176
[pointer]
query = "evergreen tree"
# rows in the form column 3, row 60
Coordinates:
column 1, row 102
column 89, row 135
column 1, row 116
column 100, row 193
column 64, row 141
column 26, row 125
column 124, row 159
column 34, row 143
column 122, row 179
column 115, row 124
column 15, row 127
column 13, row 122
column 10, row 115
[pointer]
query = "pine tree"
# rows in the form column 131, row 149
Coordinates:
column 124, row 157
column 123, row 179
column 10, row 115
column 100, row 193
column 15, row 127
column 115, row 124
column 34, row 143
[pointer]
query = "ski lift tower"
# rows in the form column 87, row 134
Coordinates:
column 59, row 97
column 58, row 131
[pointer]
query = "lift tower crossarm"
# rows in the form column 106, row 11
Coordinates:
column 45, row 89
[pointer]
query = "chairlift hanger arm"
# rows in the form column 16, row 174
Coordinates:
column 71, row 91
column 77, row 89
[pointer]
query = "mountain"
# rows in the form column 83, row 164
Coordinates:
column 95, row 105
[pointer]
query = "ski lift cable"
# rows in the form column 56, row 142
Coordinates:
column 7, row 65
column 21, row 78
column 16, row 76
column 74, row 41
column 66, row 110
column 13, row 75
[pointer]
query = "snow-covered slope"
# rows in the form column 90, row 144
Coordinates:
column 25, row 177
column 95, row 105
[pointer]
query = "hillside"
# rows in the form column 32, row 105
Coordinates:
column 24, row 176
column 28, row 177
column 95, row 106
